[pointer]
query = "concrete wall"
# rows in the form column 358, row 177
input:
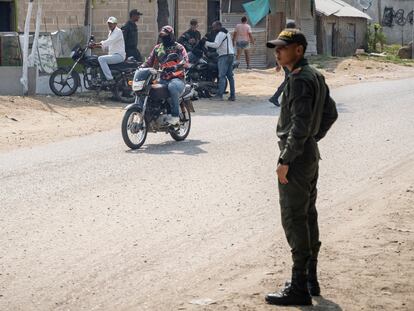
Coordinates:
column 188, row 9
column 10, row 81
column 400, row 30
column 65, row 14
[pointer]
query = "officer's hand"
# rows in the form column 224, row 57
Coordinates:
column 281, row 172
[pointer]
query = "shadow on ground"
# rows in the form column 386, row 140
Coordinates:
column 188, row 147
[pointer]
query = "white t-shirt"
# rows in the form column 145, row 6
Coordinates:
column 224, row 46
column 115, row 43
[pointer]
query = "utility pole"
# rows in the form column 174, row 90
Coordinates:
column 297, row 13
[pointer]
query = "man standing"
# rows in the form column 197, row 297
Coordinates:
column 223, row 44
column 242, row 38
column 306, row 115
column 191, row 37
column 275, row 98
column 116, row 50
column 130, row 31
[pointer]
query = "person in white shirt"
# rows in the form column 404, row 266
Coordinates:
column 115, row 46
column 224, row 46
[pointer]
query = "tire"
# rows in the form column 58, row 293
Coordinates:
column 123, row 92
column 210, row 92
column 181, row 133
column 58, row 84
column 128, row 131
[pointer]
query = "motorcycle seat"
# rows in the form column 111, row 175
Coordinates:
column 124, row 66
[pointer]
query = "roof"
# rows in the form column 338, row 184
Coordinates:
column 338, row 8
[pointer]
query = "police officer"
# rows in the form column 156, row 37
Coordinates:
column 307, row 113
column 130, row 31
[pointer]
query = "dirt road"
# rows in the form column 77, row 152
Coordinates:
column 30, row 121
column 88, row 225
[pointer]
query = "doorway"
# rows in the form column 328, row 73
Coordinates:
column 213, row 12
column 7, row 15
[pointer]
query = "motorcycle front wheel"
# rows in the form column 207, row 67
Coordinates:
column 134, row 128
column 62, row 83
column 180, row 133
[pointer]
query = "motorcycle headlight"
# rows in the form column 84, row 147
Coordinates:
column 138, row 85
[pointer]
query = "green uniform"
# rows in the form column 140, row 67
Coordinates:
column 307, row 112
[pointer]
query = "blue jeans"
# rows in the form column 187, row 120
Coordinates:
column 175, row 87
column 106, row 60
column 225, row 69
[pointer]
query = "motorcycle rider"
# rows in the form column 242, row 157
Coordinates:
column 116, row 50
column 173, row 72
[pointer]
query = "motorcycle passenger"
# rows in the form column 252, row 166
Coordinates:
column 116, row 50
column 173, row 71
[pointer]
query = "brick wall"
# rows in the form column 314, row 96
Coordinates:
column 65, row 14
column 188, row 9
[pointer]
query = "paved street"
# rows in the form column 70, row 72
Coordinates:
column 86, row 224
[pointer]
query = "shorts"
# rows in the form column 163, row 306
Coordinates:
column 242, row 45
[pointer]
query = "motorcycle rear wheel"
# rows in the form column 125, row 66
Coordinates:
column 134, row 128
column 182, row 132
column 62, row 83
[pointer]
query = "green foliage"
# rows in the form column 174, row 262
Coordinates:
column 375, row 37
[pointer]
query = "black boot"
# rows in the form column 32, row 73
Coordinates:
column 294, row 294
column 313, row 284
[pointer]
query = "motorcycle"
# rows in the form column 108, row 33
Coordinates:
column 65, row 81
column 203, row 71
column 151, row 108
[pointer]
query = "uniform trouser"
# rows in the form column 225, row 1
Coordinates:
column 106, row 60
column 297, row 203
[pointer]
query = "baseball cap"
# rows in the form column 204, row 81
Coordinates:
column 288, row 36
column 135, row 12
column 112, row 20
column 166, row 30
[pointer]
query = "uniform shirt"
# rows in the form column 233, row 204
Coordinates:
column 130, row 31
column 222, row 43
column 243, row 31
column 159, row 54
column 306, row 111
column 186, row 36
column 115, row 43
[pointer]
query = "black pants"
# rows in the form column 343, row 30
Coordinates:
column 135, row 53
column 298, row 210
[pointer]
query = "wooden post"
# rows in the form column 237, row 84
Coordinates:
column 297, row 13
column 23, row 79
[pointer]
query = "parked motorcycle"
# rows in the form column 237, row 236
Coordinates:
column 149, row 112
column 65, row 81
column 203, row 71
